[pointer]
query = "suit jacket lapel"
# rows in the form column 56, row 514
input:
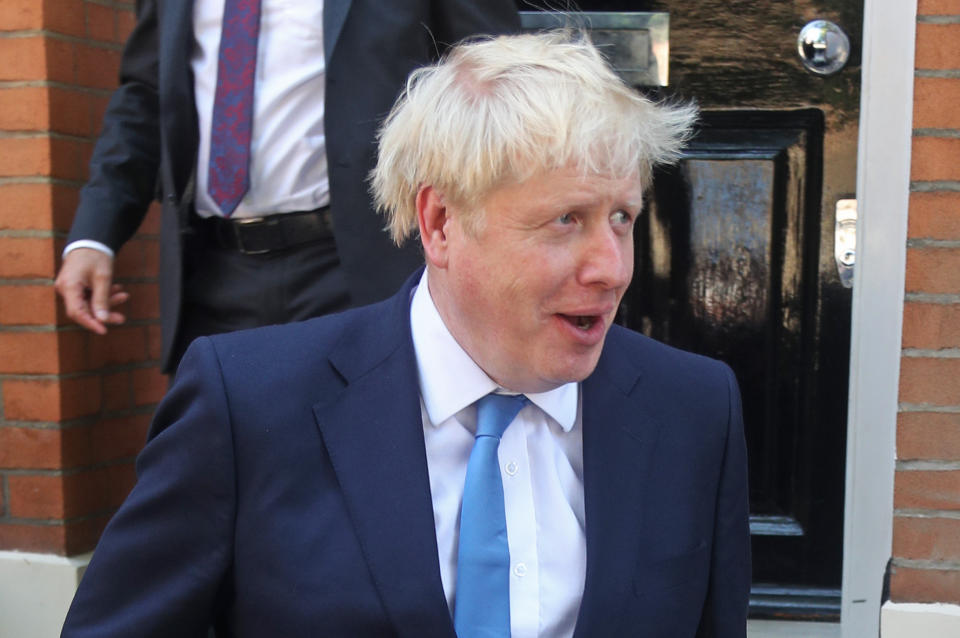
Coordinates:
column 619, row 439
column 334, row 15
column 374, row 434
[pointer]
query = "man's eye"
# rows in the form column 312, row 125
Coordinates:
column 621, row 217
column 566, row 218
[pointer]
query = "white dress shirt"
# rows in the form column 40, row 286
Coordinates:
column 288, row 158
column 541, row 461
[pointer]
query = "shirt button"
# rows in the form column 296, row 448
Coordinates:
column 520, row 570
column 511, row 468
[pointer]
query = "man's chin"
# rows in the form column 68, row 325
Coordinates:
column 576, row 368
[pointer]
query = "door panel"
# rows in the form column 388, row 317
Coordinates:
column 729, row 266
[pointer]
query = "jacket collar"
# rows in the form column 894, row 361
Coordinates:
column 334, row 15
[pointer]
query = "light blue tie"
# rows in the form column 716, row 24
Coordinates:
column 483, row 561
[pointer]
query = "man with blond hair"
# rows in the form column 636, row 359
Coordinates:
column 482, row 455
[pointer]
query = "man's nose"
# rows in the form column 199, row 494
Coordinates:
column 607, row 260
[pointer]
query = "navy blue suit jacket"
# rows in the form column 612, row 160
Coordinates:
column 284, row 492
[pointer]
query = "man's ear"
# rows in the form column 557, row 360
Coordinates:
column 432, row 217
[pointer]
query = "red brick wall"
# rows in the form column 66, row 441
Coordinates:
column 926, row 526
column 74, row 407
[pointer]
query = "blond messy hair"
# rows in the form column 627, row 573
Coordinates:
column 504, row 109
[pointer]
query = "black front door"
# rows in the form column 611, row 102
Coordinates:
column 735, row 259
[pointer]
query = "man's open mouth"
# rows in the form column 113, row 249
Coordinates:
column 582, row 322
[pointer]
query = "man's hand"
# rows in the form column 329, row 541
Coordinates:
column 85, row 283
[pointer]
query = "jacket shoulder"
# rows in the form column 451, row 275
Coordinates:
column 672, row 370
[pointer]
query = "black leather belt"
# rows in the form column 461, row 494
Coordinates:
column 271, row 233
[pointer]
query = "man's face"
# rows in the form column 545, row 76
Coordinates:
column 531, row 294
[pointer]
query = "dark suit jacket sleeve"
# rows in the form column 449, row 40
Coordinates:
column 126, row 157
column 725, row 610
column 454, row 20
column 161, row 561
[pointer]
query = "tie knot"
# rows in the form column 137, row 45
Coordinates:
column 496, row 411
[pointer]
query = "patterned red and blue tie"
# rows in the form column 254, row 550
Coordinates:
column 229, row 168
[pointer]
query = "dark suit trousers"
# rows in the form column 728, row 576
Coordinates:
column 225, row 290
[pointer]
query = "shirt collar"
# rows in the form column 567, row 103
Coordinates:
column 451, row 381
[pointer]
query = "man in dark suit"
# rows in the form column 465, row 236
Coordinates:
column 304, row 240
column 483, row 454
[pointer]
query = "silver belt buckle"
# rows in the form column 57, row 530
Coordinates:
column 248, row 221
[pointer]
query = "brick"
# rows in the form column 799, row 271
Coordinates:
column 126, row 20
column 73, row 349
column 97, row 67
column 144, row 301
column 927, row 489
column 51, row 400
column 61, row 61
column 28, row 306
column 928, row 435
column 70, row 111
column 37, row 58
column 69, row 158
column 24, row 108
column 938, row 46
column 64, row 16
column 118, row 439
column 26, row 206
column 151, row 223
column 149, row 385
column 933, row 270
column 101, row 22
column 50, row 539
column 31, row 399
column 930, row 380
column 908, row 585
column 70, row 495
column 82, row 535
column 154, row 342
column 22, row 59
column 121, row 344
column 29, row 448
column 73, row 537
column 65, row 200
column 932, row 98
column 122, row 438
column 26, row 257
column 92, row 491
column 25, row 156
column 936, row 539
column 128, row 263
column 117, row 391
column 37, row 206
column 934, row 215
column 151, row 257
column 28, row 352
column 935, row 158
column 35, row 496
column 138, row 258
column 106, row 441
column 931, row 326
column 20, row 15
column 938, row 7
column 86, row 153
column 98, row 107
